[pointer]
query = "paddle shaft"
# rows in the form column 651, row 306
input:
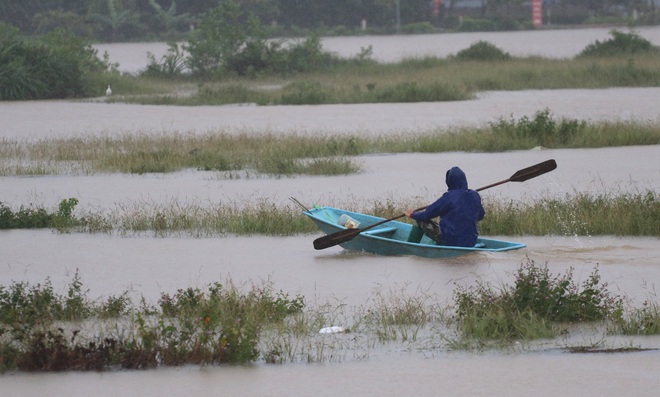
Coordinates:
column 343, row 236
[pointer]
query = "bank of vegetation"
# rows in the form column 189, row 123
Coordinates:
column 578, row 214
column 254, row 154
column 233, row 58
column 42, row 329
column 246, row 156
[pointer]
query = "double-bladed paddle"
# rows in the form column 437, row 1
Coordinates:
column 343, row 236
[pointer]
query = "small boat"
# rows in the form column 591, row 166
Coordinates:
column 390, row 238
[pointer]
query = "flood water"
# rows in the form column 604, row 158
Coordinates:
column 148, row 266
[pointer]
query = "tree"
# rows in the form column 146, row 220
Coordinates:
column 168, row 19
column 118, row 18
column 223, row 33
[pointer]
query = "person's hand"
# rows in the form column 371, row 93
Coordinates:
column 409, row 212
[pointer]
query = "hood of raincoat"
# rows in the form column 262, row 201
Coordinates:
column 456, row 179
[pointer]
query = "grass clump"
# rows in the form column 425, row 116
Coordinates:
column 639, row 321
column 626, row 214
column 534, row 307
column 398, row 315
column 35, row 218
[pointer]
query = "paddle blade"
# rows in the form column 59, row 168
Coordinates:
column 533, row 171
column 337, row 238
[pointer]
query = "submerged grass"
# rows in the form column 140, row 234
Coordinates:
column 235, row 154
column 623, row 214
column 617, row 214
column 160, row 153
column 42, row 330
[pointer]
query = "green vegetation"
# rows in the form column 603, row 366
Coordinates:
column 614, row 214
column 57, row 65
column 534, row 306
column 482, row 51
column 215, row 67
column 304, row 74
column 639, row 321
column 617, row 214
column 621, row 44
column 32, row 218
column 189, row 327
column 42, row 330
column 245, row 154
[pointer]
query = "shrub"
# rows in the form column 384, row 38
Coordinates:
column 56, row 65
column 542, row 130
column 35, row 218
column 619, row 44
column 482, row 51
column 227, row 40
column 533, row 304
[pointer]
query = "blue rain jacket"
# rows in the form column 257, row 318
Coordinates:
column 459, row 210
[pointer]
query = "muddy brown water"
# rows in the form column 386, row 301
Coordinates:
column 148, row 266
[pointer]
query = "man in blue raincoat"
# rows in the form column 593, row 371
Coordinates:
column 459, row 210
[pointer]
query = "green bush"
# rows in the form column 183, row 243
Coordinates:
column 36, row 218
column 620, row 44
column 56, row 65
column 226, row 39
column 482, row 51
column 533, row 305
column 542, row 130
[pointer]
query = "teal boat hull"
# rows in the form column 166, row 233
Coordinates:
column 390, row 238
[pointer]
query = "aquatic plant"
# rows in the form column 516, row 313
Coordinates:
column 293, row 154
column 534, row 306
column 43, row 330
column 643, row 320
column 40, row 330
column 612, row 213
column 37, row 217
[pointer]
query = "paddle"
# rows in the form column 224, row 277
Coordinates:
column 343, row 236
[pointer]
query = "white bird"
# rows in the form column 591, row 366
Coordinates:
column 108, row 92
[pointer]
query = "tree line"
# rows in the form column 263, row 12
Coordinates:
column 123, row 20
